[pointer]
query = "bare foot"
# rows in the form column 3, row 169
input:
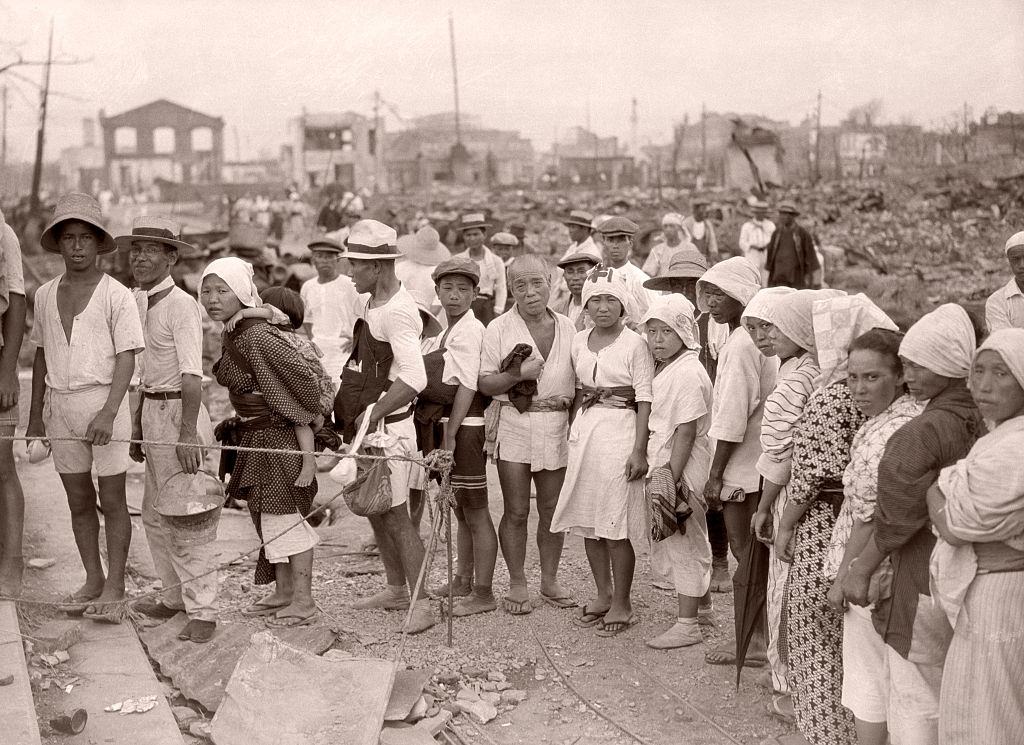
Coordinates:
column 475, row 603
column 308, row 472
column 619, row 613
column 299, row 613
column 553, row 590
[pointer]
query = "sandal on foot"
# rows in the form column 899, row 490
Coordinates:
column 560, row 603
column 517, row 607
column 290, row 622
column 460, row 589
column 587, row 618
column 261, row 608
column 93, row 613
column 614, row 628
column 727, row 656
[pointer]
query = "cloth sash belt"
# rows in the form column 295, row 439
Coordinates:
column 556, row 403
column 615, row 397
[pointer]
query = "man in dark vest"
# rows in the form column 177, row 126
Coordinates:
column 386, row 360
column 792, row 260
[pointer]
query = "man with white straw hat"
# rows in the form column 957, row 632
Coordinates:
column 422, row 251
column 1004, row 308
column 175, row 501
column 755, row 236
column 12, row 329
column 493, row 292
column 87, row 332
column 330, row 300
column 676, row 238
column 383, row 376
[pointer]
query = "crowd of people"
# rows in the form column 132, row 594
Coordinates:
column 705, row 406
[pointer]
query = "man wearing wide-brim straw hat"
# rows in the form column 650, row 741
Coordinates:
column 382, row 378
column 179, row 516
column 330, row 299
column 421, row 252
column 87, row 333
column 493, row 292
column 791, row 260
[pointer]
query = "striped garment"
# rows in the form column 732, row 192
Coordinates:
column 914, row 455
column 782, row 410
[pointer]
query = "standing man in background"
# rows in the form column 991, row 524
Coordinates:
column 791, row 259
column 493, row 292
column 702, row 232
column 330, row 299
column 755, row 235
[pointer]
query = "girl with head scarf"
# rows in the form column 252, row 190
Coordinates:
column 602, row 497
column 977, row 509
column 821, row 452
column 745, row 378
column 273, row 391
column 875, row 378
column 679, row 441
column 936, row 354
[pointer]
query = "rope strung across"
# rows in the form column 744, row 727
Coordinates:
column 438, row 462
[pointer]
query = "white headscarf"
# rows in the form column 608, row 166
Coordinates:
column 942, row 341
column 1008, row 344
column 762, row 305
column 736, row 277
column 609, row 282
column 677, row 312
column 837, row 322
column 238, row 275
column 793, row 315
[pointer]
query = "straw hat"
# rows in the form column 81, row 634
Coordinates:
column 81, row 207
column 424, row 247
column 156, row 229
column 371, row 240
column 684, row 264
column 431, row 326
column 472, row 220
column 579, row 217
column 789, row 207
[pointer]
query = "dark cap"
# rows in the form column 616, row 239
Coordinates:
column 462, row 267
column 325, row 244
column 619, row 226
column 578, row 258
column 788, row 207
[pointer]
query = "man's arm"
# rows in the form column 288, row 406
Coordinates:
column 102, row 425
column 14, row 331
column 500, row 289
column 190, row 456
column 36, row 427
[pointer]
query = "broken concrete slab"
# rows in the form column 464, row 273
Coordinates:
column 56, row 635
column 406, row 691
column 435, row 724
column 17, row 714
column 282, row 695
column 201, row 671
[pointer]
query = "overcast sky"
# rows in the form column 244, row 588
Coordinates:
column 537, row 67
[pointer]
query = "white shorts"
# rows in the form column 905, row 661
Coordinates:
column 865, row 667
column 539, row 438
column 69, row 415
column 298, row 539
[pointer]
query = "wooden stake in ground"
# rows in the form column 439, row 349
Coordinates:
column 451, row 589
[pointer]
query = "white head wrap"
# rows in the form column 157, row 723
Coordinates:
column 678, row 313
column 837, row 322
column 793, row 315
column 609, row 282
column 764, row 302
column 942, row 341
column 1008, row 344
column 238, row 275
column 1014, row 241
column 673, row 218
column 736, row 277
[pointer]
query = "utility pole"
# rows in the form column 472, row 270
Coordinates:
column 965, row 135
column 817, row 141
column 703, row 141
column 3, row 141
column 238, row 148
column 455, row 79
column 44, row 94
column 634, row 143
column 378, row 141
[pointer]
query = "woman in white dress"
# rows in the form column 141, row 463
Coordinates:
column 602, row 498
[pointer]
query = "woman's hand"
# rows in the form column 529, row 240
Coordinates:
column 636, row 466
column 836, row 599
column 761, row 527
column 784, row 544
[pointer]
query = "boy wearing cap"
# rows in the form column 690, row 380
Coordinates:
column 676, row 238
column 380, row 380
column 575, row 268
column 12, row 328
column 791, row 260
column 463, row 420
column 330, row 299
column 493, row 292
column 171, row 410
column 87, row 333
column 702, row 232
column 505, row 246
column 1004, row 308
column 755, row 236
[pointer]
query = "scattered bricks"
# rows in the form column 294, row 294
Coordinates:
column 513, row 696
column 54, row 636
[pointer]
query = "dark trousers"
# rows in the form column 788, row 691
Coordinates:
column 718, row 535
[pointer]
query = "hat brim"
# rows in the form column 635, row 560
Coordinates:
column 578, row 260
column 788, row 211
column 456, row 273
column 324, row 246
column 126, row 241
column 359, row 256
column 663, row 282
column 49, row 242
column 580, row 223
column 474, row 225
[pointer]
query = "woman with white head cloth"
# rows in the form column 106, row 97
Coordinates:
column 936, row 354
column 679, row 442
column 744, row 379
column 602, row 497
column 272, row 390
column 977, row 508
column 821, row 451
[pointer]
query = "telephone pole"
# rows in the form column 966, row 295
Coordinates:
column 966, row 133
column 455, row 79
column 3, row 141
column 378, row 142
column 817, row 141
column 703, row 140
column 634, row 142
column 44, row 94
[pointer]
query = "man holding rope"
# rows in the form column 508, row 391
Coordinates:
column 380, row 381
column 180, row 520
column 87, row 333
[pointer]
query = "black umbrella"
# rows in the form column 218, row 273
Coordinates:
column 750, row 589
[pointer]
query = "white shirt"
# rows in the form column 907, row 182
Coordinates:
column 492, row 277
column 1004, row 308
column 588, row 247
column 660, row 257
column 635, row 278
column 331, row 312
column 108, row 325
column 417, row 280
column 755, row 234
column 462, row 347
column 174, row 342
column 398, row 323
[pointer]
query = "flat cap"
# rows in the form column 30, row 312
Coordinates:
column 619, row 226
column 458, row 266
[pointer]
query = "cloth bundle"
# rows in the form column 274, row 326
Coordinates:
column 668, row 502
column 522, row 393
